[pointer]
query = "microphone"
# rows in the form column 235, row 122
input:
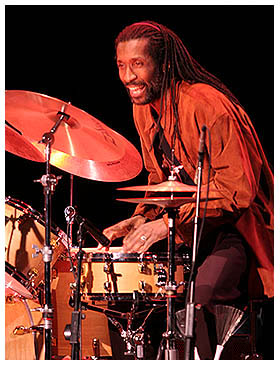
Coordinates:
column 71, row 215
column 201, row 144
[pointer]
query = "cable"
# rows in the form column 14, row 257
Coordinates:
column 68, row 251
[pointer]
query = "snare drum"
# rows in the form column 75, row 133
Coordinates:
column 25, row 235
column 115, row 273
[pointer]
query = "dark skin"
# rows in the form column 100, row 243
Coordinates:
column 139, row 74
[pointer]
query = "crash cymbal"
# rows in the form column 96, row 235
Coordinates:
column 82, row 146
column 164, row 201
column 16, row 144
column 167, row 186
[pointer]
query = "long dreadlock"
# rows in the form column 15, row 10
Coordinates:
column 167, row 49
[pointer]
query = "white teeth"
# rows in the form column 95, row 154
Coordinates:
column 135, row 88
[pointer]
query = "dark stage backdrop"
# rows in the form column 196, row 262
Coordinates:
column 67, row 52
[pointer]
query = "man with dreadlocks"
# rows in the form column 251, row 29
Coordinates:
column 173, row 98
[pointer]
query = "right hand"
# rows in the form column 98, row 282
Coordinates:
column 123, row 228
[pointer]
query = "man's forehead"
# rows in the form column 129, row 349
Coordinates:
column 133, row 48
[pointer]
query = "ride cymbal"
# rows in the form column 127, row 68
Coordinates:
column 82, row 145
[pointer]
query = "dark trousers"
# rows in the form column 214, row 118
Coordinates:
column 221, row 279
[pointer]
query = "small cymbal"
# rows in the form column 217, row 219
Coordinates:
column 18, row 145
column 164, row 201
column 82, row 145
column 167, row 186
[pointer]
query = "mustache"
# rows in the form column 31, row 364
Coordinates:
column 134, row 84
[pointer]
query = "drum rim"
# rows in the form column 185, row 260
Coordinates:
column 13, row 272
column 134, row 257
column 20, row 278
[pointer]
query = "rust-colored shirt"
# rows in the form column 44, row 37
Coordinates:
column 237, row 161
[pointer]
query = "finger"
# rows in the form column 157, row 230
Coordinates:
column 137, row 243
column 133, row 235
column 116, row 231
column 130, row 234
column 145, row 247
column 112, row 234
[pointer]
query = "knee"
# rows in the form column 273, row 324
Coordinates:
column 204, row 294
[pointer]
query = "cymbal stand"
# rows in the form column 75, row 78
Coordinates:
column 49, row 182
column 171, row 352
column 77, row 312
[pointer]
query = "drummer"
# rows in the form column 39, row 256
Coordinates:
column 173, row 98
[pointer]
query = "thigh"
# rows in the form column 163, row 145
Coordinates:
column 219, row 276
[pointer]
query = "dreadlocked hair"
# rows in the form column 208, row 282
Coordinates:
column 169, row 52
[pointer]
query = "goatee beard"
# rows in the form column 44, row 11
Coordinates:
column 152, row 90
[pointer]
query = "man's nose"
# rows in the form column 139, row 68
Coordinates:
column 129, row 75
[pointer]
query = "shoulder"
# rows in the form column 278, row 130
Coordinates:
column 203, row 102
column 202, row 93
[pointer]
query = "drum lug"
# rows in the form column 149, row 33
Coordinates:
column 37, row 251
column 162, row 275
column 142, row 266
column 21, row 330
column 54, row 243
column 144, row 287
column 32, row 273
column 108, row 286
column 10, row 299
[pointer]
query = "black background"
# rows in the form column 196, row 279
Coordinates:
column 67, row 52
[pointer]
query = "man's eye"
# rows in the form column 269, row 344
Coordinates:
column 120, row 66
column 138, row 63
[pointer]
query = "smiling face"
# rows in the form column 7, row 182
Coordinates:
column 138, row 71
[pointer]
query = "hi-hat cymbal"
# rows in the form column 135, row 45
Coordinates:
column 16, row 144
column 167, row 186
column 82, row 145
column 165, row 202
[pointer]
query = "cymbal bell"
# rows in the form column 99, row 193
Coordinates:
column 167, row 186
column 165, row 202
column 18, row 145
column 82, row 146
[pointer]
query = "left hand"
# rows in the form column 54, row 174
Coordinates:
column 140, row 240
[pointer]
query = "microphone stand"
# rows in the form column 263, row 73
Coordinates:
column 189, row 304
column 49, row 182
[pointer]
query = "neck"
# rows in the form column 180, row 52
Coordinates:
column 156, row 105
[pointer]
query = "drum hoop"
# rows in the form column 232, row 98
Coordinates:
column 31, row 212
column 122, row 296
column 17, row 275
column 134, row 257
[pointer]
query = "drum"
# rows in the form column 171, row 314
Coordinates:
column 25, row 235
column 94, row 324
column 116, row 274
column 22, row 341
